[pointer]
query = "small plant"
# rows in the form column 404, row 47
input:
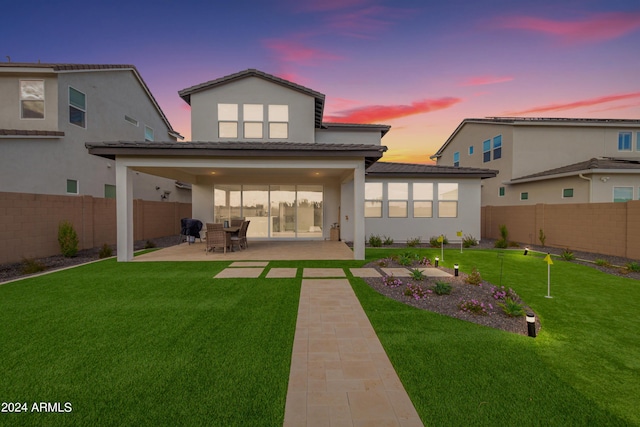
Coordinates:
column 105, row 251
column 31, row 266
column 434, row 243
column 67, row 239
column 417, row 274
column 442, row 288
column 542, row 237
column 602, row 263
column 417, row 292
column 383, row 262
column 512, row 308
column 632, row 267
column 500, row 293
column 475, row 307
column 474, row 277
column 425, row 261
column 375, row 241
column 413, row 242
column 391, row 281
column 406, row 258
column 567, row 255
column 503, row 242
column 468, row 241
column 149, row 245
column 500, row 244
column 387, row 241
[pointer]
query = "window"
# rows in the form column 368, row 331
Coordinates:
column 486, row 151
column 567, row 193
column 72, row 186
column 148, row 133
column 32, row 99
column 77, row 108
column 497, row 147
column 278, row 121
column 638, row 141
column 131, row 120
column 422, row 200
column 227, row 120
column 253, row 117
column 624, row 141
column 622, row 194
column 373, row 200
column 470, row 150
column 501, row 192
column 447, row 200
column 109, row 191
column 456, row 159
column 524, row 196
column 398, row 196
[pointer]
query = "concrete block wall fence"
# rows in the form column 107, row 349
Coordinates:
column 29, row 222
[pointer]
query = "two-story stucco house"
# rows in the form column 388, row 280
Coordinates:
column 549, row 160
column 262, row 151
column 49, row 111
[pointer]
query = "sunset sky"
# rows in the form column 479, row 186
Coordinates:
column 419, row 66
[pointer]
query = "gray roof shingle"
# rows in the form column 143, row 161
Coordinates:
column 21, row 132
column 420, row 170
column 588, row 166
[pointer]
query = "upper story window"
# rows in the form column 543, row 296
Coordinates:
column 227, row 120
column 148, row 133
column 624, row 141
column 486, row 151
column 398, row 195
column 638, row 141
column 278, row 121
column 456, row 159
column 32, row 99
column 253, row 115
column 373, row 199
column 471, row 150
column 447, row 200
column 77, row 108
column 131, row 120
column 497, row 147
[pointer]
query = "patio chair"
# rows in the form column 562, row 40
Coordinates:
column 217, row 238
column 241, row 237
column 236, row 222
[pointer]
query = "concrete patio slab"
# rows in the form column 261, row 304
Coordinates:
column 340, row 373
column 434, row 272
column 249, row 264
column 282, row 273
column 239, row 273
column 397, row 272
column 365, row 272
column 323, row 272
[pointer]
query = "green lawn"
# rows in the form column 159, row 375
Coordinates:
column 165, row 344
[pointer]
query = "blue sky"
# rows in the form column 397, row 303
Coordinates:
column 419, row 66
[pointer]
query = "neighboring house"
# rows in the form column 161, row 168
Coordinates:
column 549, row 160
column 261, row 151
column 49, row 111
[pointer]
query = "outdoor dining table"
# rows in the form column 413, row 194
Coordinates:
column 230, row 231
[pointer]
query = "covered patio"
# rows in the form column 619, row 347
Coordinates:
column 260, row 250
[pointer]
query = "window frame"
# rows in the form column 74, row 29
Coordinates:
column 470, row 150
column 501, row 191
column 278, row 125
column 456, row 159
column 497, row 147
column 227, row 115
column 22, row 101
column 622, row 143
column 565, row 192
column 131, row 121
column 253, row 121
column 146, row 133
column 402, row 199
column 421, row 199
column 374, row 201
column 621, row 187
column 486, row 151
column 77, row 185
column 78, row 108
column 109, row 188
column 442, row 202
column 524, row 195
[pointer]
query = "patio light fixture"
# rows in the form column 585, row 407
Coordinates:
column 455, row 269
column 437, row 260
column 526, row 250
column 531, row 325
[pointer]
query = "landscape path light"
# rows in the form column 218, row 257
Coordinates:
column 437, row 261
column 531, row 325
column 455, row 270
column 526, row 251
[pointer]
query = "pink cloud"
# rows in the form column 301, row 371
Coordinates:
column 576, row 104
column 382, row 113
column 294, row 52
column 597, row 27
column 485, row 80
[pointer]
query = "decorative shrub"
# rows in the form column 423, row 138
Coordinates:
column 442, row 288
column 468, row 241
column 567, row 255
column 475, row 307
column 512, row 308
column 31, row 266
column 413, row 242
column 542, row 237
column 375, row 241
column 433, row 241
column 474, row 277
column 602, row 263
column 383, row 262
column 387, row 240
column 632, row 266
column 500, row 293
column 503, row 242
column 406, row 258
column 417, row 274
column 425, row 261
column 67, row 239
column 416, row 292
column 105, row 251
column 391, row 281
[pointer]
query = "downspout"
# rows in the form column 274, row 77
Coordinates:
column 590, row 185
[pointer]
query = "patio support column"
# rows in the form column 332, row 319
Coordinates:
column 124, row 212
column 358, row 212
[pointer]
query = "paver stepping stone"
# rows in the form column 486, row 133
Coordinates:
column 282, row 273
column 434, row 272
column 397, row 272
column 249, row 264
column 365, row 272
column 239, row 272
column 323, row 272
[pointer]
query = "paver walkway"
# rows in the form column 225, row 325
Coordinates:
column 340, row 374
